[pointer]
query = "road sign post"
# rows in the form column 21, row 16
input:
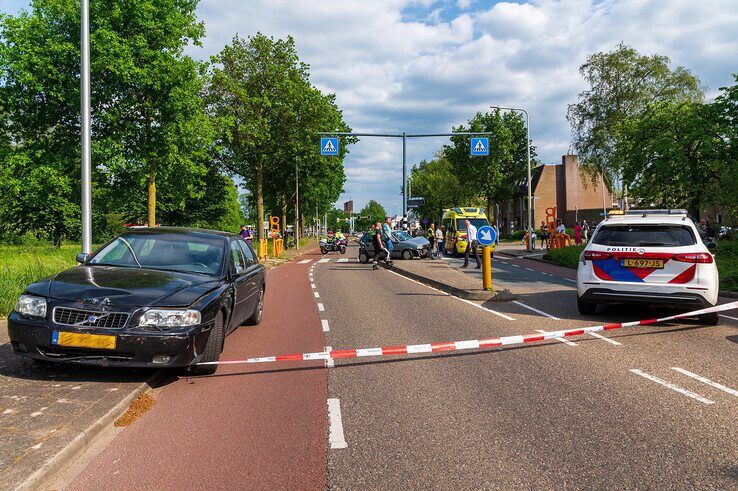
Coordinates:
column 329, row 146
column 479, row 147
column 486, row 237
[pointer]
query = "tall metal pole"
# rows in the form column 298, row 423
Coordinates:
column 85, row 107
column 404, row 179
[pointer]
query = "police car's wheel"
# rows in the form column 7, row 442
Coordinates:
column 363, row 257
column 586, row 308
column 709, row 319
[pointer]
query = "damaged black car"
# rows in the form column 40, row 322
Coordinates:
column 152, row 297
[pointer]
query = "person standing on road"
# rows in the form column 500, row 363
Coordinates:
column 441, row 241
column 585, row 230
column 471, row 244
column 387, row 237
column 431, row 236
column 380, row 251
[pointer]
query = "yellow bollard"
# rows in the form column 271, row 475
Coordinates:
column 262, row 249
column 487, row 268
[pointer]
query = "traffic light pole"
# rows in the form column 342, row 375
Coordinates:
column 404, row 137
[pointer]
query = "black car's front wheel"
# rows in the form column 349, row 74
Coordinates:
column 212, row 348
column 407, row 254
column 255, row 317
column 363, row 257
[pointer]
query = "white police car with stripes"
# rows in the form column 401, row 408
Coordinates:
column 653, row 257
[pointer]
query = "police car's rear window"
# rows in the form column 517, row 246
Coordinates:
column 645, row 236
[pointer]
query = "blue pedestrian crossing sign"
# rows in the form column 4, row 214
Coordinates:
column 486, row 235
column 329, row 146
column 479, row 147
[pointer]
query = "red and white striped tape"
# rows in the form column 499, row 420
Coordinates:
column 465, row 345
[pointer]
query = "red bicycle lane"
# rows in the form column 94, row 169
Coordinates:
column 245, row 426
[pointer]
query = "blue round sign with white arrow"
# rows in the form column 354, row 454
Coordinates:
column 486, row 235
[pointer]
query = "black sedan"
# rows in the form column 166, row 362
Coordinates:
column 155, row 297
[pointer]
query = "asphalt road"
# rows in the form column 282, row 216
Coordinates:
column 619, row 411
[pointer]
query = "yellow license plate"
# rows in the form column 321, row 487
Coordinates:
column 644, row 263
column 83, row 340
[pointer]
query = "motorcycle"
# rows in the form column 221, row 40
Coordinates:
column 332, row 244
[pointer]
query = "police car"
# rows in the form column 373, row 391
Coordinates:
column 653, row 257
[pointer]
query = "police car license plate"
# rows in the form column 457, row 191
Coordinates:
column 643, row 263
column 82, row 340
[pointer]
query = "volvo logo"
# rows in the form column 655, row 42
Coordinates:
column 92, row 319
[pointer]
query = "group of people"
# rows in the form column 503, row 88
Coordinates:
column 580, row 232
column 436, row 237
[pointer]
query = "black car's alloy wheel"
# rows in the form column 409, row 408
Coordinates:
column 255, row 318
column 212, row 348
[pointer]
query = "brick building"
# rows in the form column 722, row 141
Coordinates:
column 348, row 207
column 563, row 186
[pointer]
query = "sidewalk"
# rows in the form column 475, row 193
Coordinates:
column 49, row 414
column 439, row 274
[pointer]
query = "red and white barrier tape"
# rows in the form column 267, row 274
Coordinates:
column 466, row 345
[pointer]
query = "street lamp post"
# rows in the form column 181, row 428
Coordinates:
column 530, row 191
column 85, row 106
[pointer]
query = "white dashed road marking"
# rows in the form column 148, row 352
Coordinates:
column 321, row 308
column 516, row 265
column 324, row 322
column 605, row 338
column 562, row 340
column 329, row 362
column 324, row 260
column 343, row 260
column 335, row 432
column 304, row 261
column 317, row 295
column 706, row 381
column 545, row 314
column 671, row 386
column 729, row 317
column 568, row 279
column 530, row 269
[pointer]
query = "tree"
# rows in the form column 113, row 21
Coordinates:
column 374, row 211
column 497, row 178
column 673, row 155
column 267, row 117
column 436, row 181
column 726, row 112
column 622, row 84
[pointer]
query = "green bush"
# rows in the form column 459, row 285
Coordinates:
column 726, row 256
column 567, row 257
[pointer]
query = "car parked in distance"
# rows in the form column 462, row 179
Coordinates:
column 405, row 246
column 152, row 297
column 653, row 257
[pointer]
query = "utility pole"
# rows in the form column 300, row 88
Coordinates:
column 404, row 174
column 297, row 209
column 85, row 106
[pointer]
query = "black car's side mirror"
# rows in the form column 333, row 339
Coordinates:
column 81, row 257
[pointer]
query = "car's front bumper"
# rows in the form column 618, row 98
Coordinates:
column 135, row 347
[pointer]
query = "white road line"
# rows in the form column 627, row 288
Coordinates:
column 335, row 432
column 317, row 295
column 312, row 285
column 545, row 314
column 530, row 269
column 568, row 279
column 343, row 260
column 324, row 322
column 457, row 298
column 329, row 362
column 304, row 261
column 729, row 317
column 503, row 262
column 516, row 265
column 324, row 260
column 706, row 381
column 321, row 308
column 562, row 340
column 605, row 338
column 671, row 386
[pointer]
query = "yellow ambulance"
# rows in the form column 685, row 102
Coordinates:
column 454, row 219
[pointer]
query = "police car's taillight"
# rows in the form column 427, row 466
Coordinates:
column 596, row 255
column 693, row 257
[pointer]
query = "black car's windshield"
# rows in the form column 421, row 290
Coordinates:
column 167, row 251
column 645, row 236
column 477, row 222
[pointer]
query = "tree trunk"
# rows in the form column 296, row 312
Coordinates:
column 259, row 202
column 508, row 229
column 152, row 199
column 284, row 213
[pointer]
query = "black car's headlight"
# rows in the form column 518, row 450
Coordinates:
column 31, row 305
column 170, row 318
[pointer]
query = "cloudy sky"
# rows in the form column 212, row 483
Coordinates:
column 424, row 65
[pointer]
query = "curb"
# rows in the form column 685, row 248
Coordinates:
column 56, row 465
column 504, row 296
